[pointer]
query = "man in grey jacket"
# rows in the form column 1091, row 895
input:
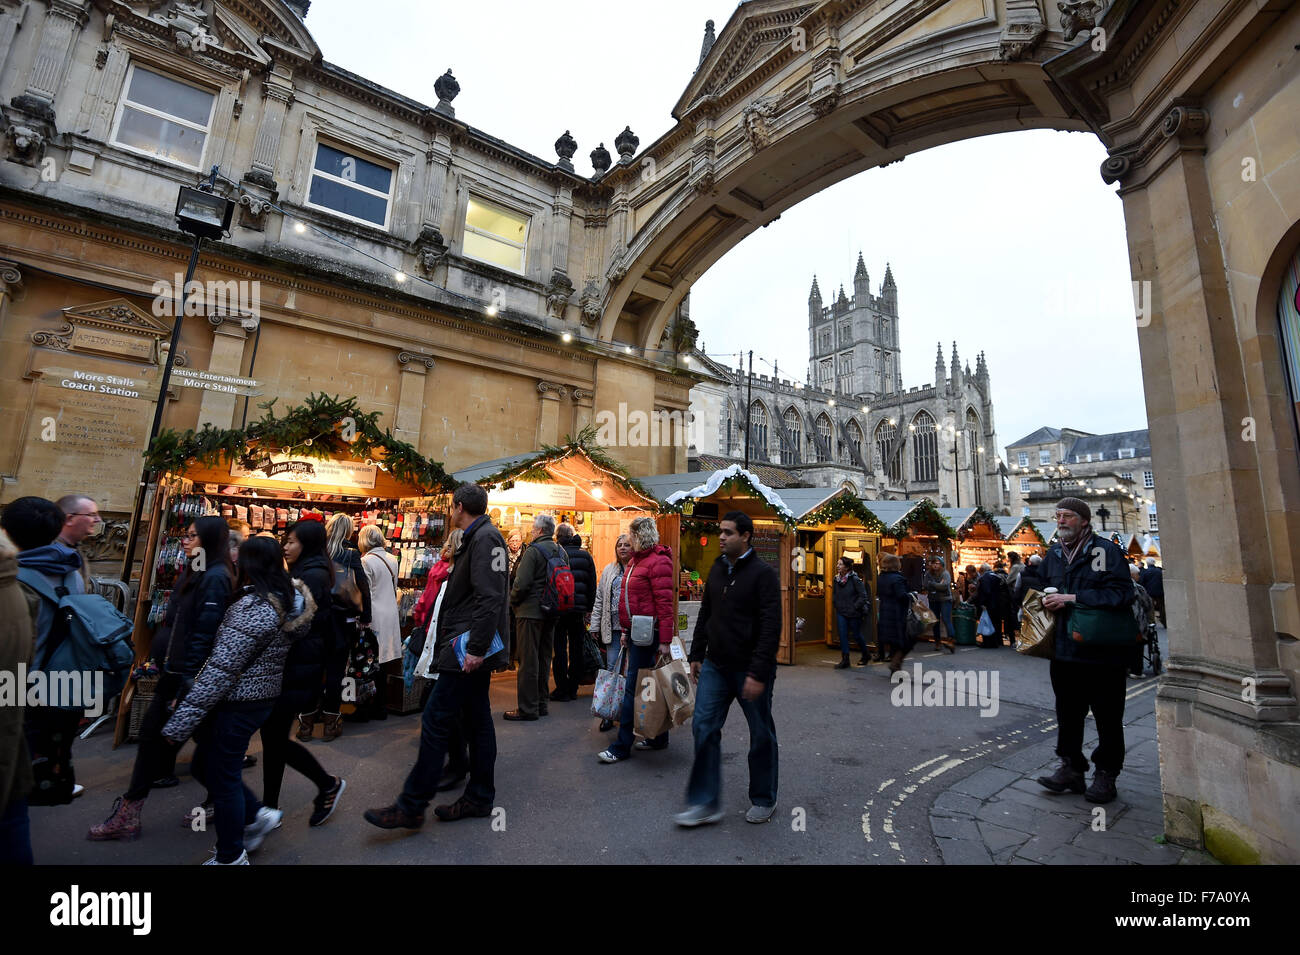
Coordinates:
column 473, row 608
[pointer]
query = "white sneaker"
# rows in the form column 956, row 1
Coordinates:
column 607, row 756
column 242, row 860
column 257, row 830
column 77, row 790
column 759, row 814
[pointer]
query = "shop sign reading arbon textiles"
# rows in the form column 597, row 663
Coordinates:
column 311, row 471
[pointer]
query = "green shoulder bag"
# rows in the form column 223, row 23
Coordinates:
column 1104, row 626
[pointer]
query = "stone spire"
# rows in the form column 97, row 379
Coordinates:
column 956, row 368
column 982, row 373
column 889, row 291
column 861, row 283
column 842, row 303
column 940, row 369
column 814, row 304
column 707, row 45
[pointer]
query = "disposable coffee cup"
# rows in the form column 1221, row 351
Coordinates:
column 1049, row 590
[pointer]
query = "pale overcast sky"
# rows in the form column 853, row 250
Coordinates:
column 1007, row 244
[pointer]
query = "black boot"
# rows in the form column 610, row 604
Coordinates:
column 1065, row 777
column 844, row 662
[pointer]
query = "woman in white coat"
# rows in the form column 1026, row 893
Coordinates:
column 381, row 574
column 604, row 611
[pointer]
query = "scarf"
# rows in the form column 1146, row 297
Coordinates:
column 56, row 559
column 1071, row 552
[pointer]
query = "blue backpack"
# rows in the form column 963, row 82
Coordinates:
column 88, row 634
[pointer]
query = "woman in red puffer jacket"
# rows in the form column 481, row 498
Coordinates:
column 648, row 587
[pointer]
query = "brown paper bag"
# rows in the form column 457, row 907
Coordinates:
column 675, row 686
column 1037, row 636
column 652, row 715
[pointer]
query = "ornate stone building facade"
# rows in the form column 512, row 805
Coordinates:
column 852, row 423
column 446, row 278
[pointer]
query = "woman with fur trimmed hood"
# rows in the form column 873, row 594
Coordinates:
column 236, row 690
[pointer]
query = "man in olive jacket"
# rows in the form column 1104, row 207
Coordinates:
column 474, row 606
column 534, row 627
column 1091, row 571
column 733, row 656
column 15, row 764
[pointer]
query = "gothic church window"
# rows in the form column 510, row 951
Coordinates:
column 855, row 441
column 794, row 432
column 973, row 440
column 823, row 437
column 886, row 453
column 925, row 448
column 758, row 431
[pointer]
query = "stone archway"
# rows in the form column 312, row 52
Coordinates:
column 1194, row 100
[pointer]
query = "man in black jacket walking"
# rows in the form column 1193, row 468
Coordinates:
column 474, row 607
column 733, row 656
column 571, row 627
column 1152, row 579
column 1090, row 571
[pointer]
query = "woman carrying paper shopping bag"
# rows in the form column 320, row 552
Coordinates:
column 605, row 615
column 646, row 614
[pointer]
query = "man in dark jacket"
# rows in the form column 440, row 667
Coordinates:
column 1152, row 579
column 733, row 656
column 571, row 627
column 474, row 608
column 534, row 628
column 1089, row 570
column 988, row 597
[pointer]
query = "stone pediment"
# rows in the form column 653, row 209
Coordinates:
column 115, row 329
column 240, row 29
column 755, row 31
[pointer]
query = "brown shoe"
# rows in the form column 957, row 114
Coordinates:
column 333, row 727
column 461, row 809
column 306, row 724
column 393, row 817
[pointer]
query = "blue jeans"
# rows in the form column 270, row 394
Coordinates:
column 713, row 696
column 637, row 657
column 15, row 832
column 851, row 627
column 218, row 764
column 943, row 610
column 459, row 701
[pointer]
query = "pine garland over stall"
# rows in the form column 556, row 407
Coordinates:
column 534, row 468
column 980, row 515
column 739, row 482
column 318, row 428
column 845, row 505
column 925, row 519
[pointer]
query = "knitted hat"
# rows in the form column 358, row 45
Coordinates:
column 1074, row 504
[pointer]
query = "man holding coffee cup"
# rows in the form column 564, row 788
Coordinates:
column 1083, row 569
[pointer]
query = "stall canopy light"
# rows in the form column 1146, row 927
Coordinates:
column 203, row 214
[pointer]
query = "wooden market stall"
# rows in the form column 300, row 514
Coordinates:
column 324, row 457
column 830, row 524
column 1021, row 536
column 916, row 531
column 701, row 499
column 578, row 483
column 979, row 539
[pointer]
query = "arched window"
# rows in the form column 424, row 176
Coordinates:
column 925, row 448
column 974, row 438
column 793, row 454
column 855, row 441
column 823, row 437
column 758, row 431
column 886, row 452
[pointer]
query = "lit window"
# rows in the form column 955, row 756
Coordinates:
column 1022, row 459
column 1148, row 479
column 1045, row 457
column 495, row 236
column 1024, row 485
column 351, row 187
column 163, row 117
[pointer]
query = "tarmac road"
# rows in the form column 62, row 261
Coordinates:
column 857, row 778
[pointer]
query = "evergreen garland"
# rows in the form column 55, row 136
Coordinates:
column 313, row 429
column 845, row 505
column 1027, row 522
column 926, row 519
column 534, row 468
column 980, row 515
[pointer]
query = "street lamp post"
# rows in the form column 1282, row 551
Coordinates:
column 204, row 215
